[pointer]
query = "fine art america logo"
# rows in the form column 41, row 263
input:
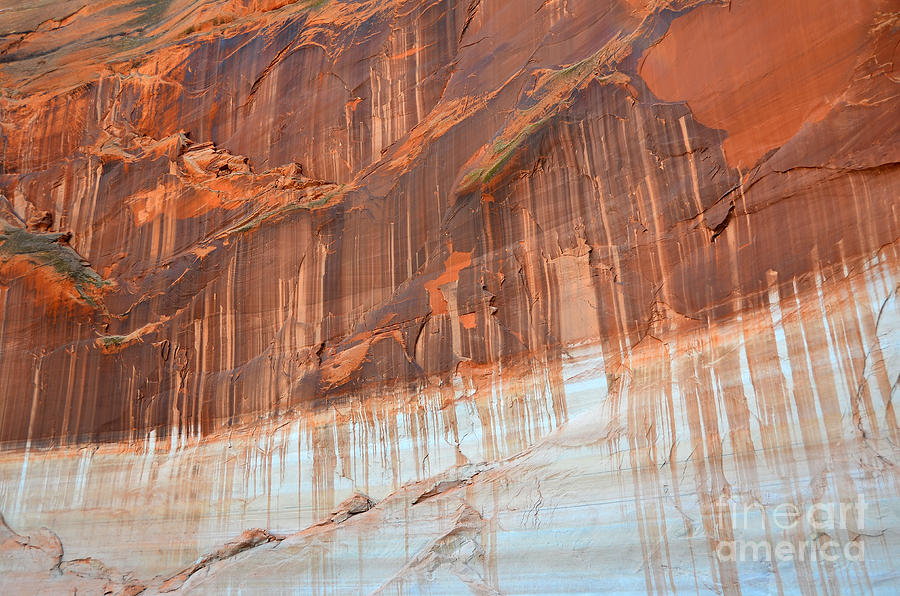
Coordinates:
column 815, row 530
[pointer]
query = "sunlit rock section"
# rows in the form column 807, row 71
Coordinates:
column 396, row 296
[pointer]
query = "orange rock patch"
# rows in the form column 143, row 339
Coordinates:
column 456, row 262
column 749, row 70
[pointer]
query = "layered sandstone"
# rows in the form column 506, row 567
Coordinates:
column 465, row 295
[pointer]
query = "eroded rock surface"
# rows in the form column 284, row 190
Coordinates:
column 456, row 296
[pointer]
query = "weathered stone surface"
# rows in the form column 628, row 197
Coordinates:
column 456, row 296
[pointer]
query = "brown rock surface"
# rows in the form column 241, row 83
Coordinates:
column 516, row 271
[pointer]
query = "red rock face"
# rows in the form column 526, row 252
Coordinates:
column 430, row 235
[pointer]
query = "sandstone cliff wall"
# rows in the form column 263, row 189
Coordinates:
column 554, row 264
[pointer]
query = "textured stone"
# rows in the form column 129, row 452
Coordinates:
column 457, row 296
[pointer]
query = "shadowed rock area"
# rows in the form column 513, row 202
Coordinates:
column 449, row 296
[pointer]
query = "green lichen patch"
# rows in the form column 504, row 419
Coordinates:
column 110, row 344
column 46, row 250
column 553, row 89
column 316, row 203
column 111, row 341
column 501, row 153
